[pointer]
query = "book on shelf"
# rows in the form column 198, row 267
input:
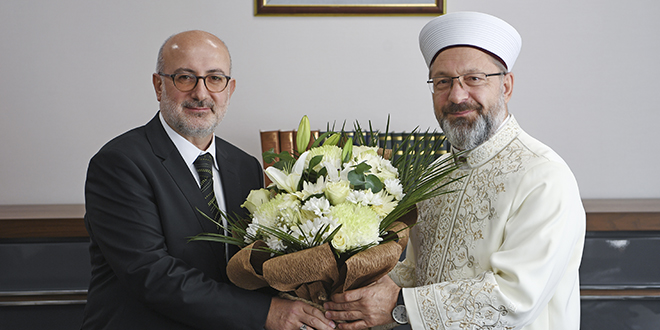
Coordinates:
column 279, row 140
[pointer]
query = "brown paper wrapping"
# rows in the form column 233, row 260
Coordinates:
column 314, row 274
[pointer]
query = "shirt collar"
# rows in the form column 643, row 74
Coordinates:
column 188, row 151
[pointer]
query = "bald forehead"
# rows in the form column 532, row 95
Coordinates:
column 194, row 38
column 193, row 45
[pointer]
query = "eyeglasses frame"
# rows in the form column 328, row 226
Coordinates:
column 197, row 78
column 430, row 81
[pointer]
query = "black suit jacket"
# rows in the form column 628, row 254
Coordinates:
column 141, row 206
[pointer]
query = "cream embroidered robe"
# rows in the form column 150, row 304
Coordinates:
column 503, row 251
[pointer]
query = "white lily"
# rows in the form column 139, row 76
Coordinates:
column 288, row 181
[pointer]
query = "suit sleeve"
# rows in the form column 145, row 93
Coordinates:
column 124, row 221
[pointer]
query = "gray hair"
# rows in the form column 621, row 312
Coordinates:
column 160, row 62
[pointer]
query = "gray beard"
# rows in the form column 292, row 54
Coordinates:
column 180, row 124
column 464, row 135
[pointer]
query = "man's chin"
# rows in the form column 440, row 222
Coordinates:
column 459, row 123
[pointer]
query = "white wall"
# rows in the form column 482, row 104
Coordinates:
column 75, row 73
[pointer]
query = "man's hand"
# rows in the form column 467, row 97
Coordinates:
column 365, row 307
column 291, row 315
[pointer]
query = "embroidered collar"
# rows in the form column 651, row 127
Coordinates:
column 487, row 150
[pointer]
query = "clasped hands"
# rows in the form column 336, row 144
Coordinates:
column 365, row 307
column 355, row 309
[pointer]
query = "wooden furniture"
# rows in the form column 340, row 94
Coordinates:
column 620, row 274
column 42, row 221
column 45, row 266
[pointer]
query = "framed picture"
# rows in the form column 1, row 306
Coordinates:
column 349, row 7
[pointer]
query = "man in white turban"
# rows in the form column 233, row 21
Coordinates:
column 503, row 250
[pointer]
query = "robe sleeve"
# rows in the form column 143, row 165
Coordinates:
column 403, row 273
column 542, row 238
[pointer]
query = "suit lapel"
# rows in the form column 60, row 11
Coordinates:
column 230, row 181
column 165, row 149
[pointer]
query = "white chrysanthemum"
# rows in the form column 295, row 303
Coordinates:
column 383, row 203
column 311, row 189
column 355, row 196
column 251, row 230
column 363, row 197
column 275, row 244
column 360, row 226
column 365, row 151
column 269, row 214
column 394, row 187
column 288, row 201
column 385, row 170
column 289, row 217
column 320, row 206
column 331, row 155
column 367, row 155
column 310, row 228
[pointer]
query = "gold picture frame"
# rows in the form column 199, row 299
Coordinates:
column 349, row 7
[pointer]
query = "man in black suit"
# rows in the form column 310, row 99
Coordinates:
column 143, row 198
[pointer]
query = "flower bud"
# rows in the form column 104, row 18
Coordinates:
column 303, row 135
column 333, row 140
column 347, row 152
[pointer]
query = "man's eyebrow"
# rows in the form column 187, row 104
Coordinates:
column 187, row 70
column 180, row 70
column 464, row 72
column 217, row 71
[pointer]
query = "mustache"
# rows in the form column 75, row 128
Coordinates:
column 453, row 107
column 198, row 104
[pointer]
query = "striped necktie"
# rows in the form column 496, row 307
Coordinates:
column 204, row 166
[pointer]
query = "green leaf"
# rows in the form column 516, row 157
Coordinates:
column 357, row 180
column 269, row 156
column 373, row 182
column 362, row 168
column 315, row 161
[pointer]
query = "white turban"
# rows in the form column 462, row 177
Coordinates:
column 479, row 30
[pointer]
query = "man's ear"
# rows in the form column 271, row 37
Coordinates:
column 231, row 87
column 508, row 86
column 158, row 85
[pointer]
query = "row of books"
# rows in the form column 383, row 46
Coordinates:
column 279, row 140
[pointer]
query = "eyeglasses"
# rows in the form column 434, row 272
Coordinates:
column 444, row 84
column 185, row 82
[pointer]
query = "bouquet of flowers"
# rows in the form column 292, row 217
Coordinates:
column 336, row 216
